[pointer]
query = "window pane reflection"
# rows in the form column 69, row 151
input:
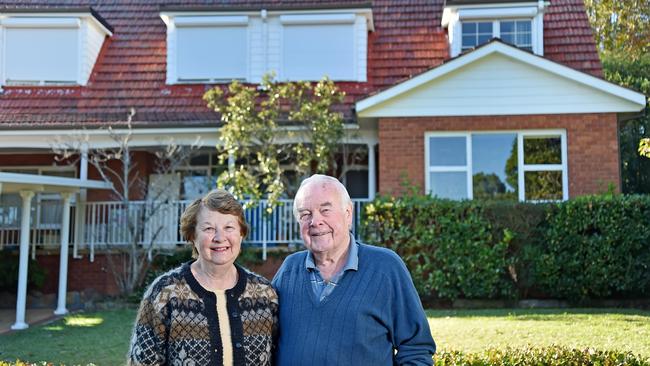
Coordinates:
column 542, row 150
column 452, row 185
column 545, row 185
column 447, row 151
column 494, row 166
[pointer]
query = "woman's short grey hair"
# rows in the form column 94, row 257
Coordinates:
column 326, row 179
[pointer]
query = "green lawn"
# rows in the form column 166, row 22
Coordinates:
column 602, row 329
column 102, row 338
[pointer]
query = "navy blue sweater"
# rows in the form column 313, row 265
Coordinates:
column 371, row 313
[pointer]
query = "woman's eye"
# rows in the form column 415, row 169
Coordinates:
column 208, row 229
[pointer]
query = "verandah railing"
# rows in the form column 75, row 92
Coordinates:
column 108, row 224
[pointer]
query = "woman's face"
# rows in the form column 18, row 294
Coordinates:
column 218, row 237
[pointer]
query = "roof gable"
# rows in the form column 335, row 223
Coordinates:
column 498, row 79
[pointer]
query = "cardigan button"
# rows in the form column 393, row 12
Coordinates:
column 237, row 345
column 234, row 314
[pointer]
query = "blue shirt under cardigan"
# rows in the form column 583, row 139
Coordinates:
column 373, row 312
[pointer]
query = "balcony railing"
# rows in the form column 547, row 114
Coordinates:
column 110, row 224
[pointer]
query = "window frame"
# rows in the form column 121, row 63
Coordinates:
column 521, row 167
column 496, row 31
column 454, row 15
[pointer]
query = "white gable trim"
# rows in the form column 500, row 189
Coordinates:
column 364, row 105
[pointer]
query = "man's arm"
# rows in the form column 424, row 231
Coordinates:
column 411, row 334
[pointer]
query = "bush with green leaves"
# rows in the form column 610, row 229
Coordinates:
column 596, row 247
column 548, row 356
column 587, row 248
column 449, row 247
column 9, row 263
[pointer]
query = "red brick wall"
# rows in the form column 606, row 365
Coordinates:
column 82, row 274
column 592, row 139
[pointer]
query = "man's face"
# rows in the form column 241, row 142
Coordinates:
column 324, row 218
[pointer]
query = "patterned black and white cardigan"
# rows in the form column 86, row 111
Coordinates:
column 177, row 322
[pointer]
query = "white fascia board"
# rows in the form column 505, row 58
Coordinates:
column 491, row 13
column 99, row 24
column 100, row 138
column 509, row 51
column 45, row 180
column 317, row 19
column 41, row 22
column 210, row 21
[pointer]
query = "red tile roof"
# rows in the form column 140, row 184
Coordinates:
column 130, row 71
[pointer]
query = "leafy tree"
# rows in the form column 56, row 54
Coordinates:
column 635, row 168
column 130, row 261
column 621, row 26
column 487, row 186
column 273, row 125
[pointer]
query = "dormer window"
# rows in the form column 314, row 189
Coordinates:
column 473, row 23
column 55, row 48
column 514, row 32
column 296, row 44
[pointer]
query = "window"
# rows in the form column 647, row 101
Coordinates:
column 211, row 48
column 49, row 49
column 200, row 175
column 488, row 165
column 515, row 32
column 476, row 33
column 470, row 25
column 246, row 45
column 311, row 50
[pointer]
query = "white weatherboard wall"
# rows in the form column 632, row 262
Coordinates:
column 498, row 85
column 92, row 40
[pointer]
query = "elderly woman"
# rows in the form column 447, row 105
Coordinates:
column 209, row 311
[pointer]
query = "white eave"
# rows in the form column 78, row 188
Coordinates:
column 14, row 182
column 437, row 86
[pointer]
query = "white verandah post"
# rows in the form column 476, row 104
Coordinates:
column 25, row 221
column 63, row 264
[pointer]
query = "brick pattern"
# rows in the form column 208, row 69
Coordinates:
column 82, row 274
column 130, row 70
column 593, row 156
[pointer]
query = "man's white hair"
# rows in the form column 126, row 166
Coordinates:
column 325, row 179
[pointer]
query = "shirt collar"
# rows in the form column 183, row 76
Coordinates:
column 351, row 263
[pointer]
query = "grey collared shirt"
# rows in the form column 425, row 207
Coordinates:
column 323, row 288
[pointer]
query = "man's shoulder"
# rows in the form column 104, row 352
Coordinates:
column 291, row 263
column 375, row 253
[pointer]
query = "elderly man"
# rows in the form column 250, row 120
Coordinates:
column 343, row 302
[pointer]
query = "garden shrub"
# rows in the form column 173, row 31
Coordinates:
column 9, row 263
column 596, row 247
column 449, row 247
column 589, row 247
column 547, row 356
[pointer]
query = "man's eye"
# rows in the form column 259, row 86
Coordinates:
column 305, row 216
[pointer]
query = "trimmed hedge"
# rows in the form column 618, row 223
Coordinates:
column 548, row 356
column 587, row 248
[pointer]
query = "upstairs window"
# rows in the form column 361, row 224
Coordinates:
column 476, row 33
column 220, row 46
column 57, row 49
column 211, row 48
column 315, row 46
column 515, row 32
column 470, row 25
